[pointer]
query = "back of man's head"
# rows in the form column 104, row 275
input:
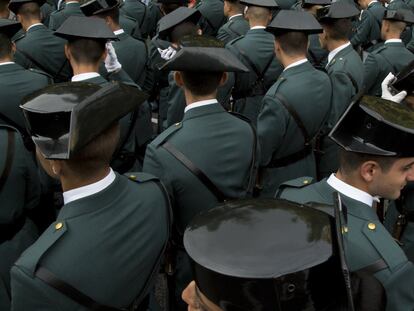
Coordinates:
column 350, row 162
column 29, row 11
column 112, row 14
column 5, row 47
column 201, row 83
column 182, row 30
column 338, row 29
column 293, row 43
column 257, row 15
column 86, row 51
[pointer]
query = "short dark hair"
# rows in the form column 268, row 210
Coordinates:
column 183, row 29
column 201, row 83
column 86, row 51
column 351, row 161
column 258, row 14
column 338, row 29
column 96, row 154
column 29, row 10
column 113, row 14
column 5, row 46
column 293, row 42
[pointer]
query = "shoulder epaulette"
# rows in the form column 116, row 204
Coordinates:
column 19, row 37
column 141, row 177
column 6, row 126
column 298, row 182
column 167, row 133
column 338, row 61
column 38, row 71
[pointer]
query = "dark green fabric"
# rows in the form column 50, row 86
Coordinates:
column 106, row 248
column 212, row 16
column 391, row 57
column 308, row 91
column 130, row 26
column 316, row 54
column 346, row 65
column 234, row 28
column 364, row 246
column 139, row 12
column 58, row 17
column 406, row 36
column 16, row 83
column 258, row 46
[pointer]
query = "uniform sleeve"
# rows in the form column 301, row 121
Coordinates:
column 371, row 71
column 342, row 93
column 176, row 103
column 153, row 166
column 223, row 35
column 271, row 128
column 363, row 30
column 33, row 188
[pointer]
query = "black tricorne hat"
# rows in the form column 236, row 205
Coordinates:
column 267, row 255
column 337, row 10
column 85, row 27
column 400, row 15
column 14, row 5
column 405, row 80
column 9, row 27
column 63, row 118
column 309, row 3
column 270, row 4
column 292, row 20
column 176, row 17
column 376, row 126
column 94, row 7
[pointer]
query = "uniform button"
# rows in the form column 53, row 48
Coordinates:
column 177, row 124
column 305, row 182
column 371, row 226
column 58, row 226
column 345, row 230
column 132, row 177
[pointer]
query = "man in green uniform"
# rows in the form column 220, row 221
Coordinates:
column 208, row 157
column 139, row 12
column 295, row 107
column 212, row 16
column 372, row 164
column 256, row 51
column 345, row 69
column 15, row 81
column 110, row 234
column 72, row 7
column 236, row 25
column 368, row 30
column 390, row 57
column 38, row 47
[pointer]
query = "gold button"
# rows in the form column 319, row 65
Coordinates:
column 371, row 226
column 306, row 182
column 58, row 226
column 132, row 177
column 177, row 124
column 344, row 229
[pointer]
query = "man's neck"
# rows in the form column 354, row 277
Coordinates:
column 190, row 98
column 288, row 60
column 28, row 23
column 255, row 24
column 84, row 68
column 389, row 36
column 72, row 181
column 334, row 44
column 6, row 60
column 352, row 181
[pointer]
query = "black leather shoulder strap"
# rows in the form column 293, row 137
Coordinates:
column 9, row 157
column 195, row 170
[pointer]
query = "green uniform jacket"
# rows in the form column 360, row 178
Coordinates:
column 16, row 83
column 20, row 194
column 219, row 144
column 138, row 11
column 346, row 73
column 258, row 46
column 368, row 30
column 46, row 52
column 105, row 245
column 58, row 17
column 236, row 26
column 308, row 91
column 130, row 26
column 406, row 35
column 316, row 54
column 391, row 57
column 212, row 16
column 363, row 246
column 286, row 4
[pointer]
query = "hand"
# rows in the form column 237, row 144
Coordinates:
column 167, row 54
column 386, row 94
column 111, row 61
column 190, row 297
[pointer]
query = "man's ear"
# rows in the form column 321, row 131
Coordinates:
column 223, row 79
column 105, row 53
column 13, row 47
column 67, row 52
column 368, row 170
column 178, row 78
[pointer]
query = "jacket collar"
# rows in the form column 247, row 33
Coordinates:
column 202, row 111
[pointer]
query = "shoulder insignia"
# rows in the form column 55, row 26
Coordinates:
column 298, row 182
column 167, row 133
column 141, row 177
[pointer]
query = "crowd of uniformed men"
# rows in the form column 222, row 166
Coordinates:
column 206, row 155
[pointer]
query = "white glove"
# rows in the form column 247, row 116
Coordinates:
column 167, row 54
column 386, row 94
column 111, row 61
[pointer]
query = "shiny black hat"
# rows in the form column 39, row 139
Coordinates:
column 203, row 55
column 94, row 7
column 376, row 126
column 309, row 3
column 336, row 10
column 263, row 3
column 179, row 2
column 85, row 27
column 176, row 17
column 400, row 15
column 63, row 118
column 405, row 80
column 292, row 20
column 269, row 255
column 14, row 5
column 9, row 27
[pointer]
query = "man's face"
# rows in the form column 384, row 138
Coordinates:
column 388, row 184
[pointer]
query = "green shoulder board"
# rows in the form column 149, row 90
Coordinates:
column 141, row 177
column 294, row 183
column 166, row 134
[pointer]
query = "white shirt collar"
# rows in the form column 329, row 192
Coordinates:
column 118, row 32
column 393, row 41
column 85, row 191
column 258, row 27
column 332, row 53
column 84, row 76
column 351, row 191
column 235, row 15
column 297, row 63
column 31, row 26
column 6, row 63
column 200, row 104
column 70, row 2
